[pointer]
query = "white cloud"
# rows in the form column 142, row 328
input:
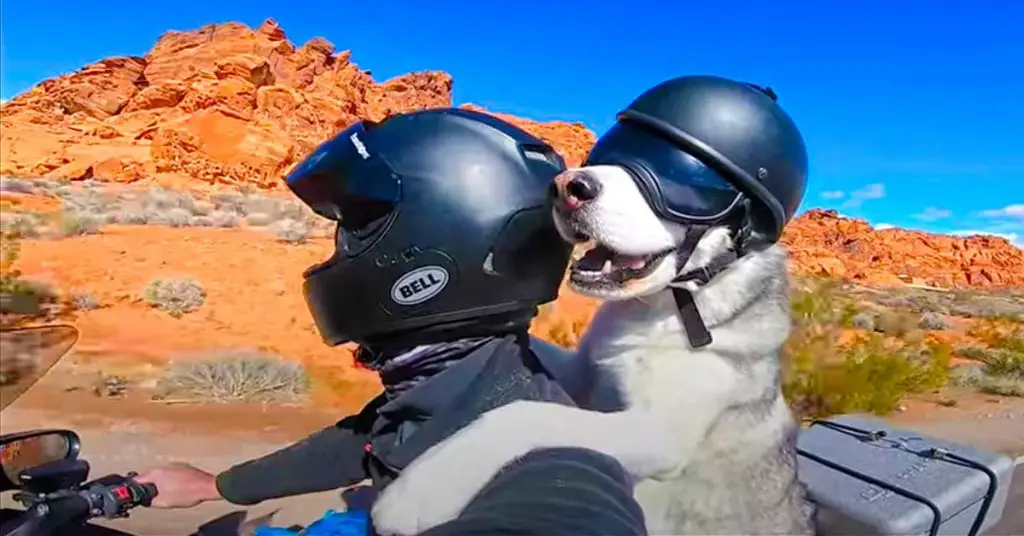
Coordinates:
column 883, row 226
column 871, row 191
column 933, row 214
column 1009, row 211
column 833, row 194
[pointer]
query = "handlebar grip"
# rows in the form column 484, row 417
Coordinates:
column 149, row 492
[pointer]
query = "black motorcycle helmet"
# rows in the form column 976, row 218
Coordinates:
column 708, row 151
column 443, row 220
column 705, row 150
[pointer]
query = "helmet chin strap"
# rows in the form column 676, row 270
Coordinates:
column 696, row 331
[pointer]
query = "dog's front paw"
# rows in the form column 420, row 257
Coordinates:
column 438, row 486
column 644, row 444
column 432, row 490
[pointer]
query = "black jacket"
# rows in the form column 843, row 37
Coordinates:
column 387, row 435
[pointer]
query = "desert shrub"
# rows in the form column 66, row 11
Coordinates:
column 232, row 202
column 133, row 216
column 223, row 219
column 20, row 224
column 872, row 375
column 201, row 221
column 820, row 302
column 161, row 199
column 291, row 231
column 49, row 185
column 896, row 323
column 259, row 219
column 1006, row 360
column 1002, row 386
column 73, row 223
column 18, row 186
column 934, row 322
column 255, row 204
column 18, row 295
column 87, row 200
column 83, row 301
column 234, row 375
column 10, row 249
column 203, row 208
column 1000, row 362
column 1001, row 333
column 968, row 304
column 175, row 296
column 296, row 211
column 988, row 380
column 176, row 217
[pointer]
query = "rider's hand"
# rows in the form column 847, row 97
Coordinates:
column 180, row 485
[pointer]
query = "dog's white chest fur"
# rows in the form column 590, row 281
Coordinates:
column 721, row 402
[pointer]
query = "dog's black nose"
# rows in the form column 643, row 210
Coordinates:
column 583, row 187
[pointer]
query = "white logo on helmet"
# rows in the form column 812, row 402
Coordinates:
column 360, row 148
column 419, row 285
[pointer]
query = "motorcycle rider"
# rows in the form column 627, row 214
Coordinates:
column 445, row 246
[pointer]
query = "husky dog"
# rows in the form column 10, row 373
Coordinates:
column 691, row 408
column 731, row 468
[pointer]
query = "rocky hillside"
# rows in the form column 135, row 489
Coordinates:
column 823, row 243
column 228, row 105
column 222, row 104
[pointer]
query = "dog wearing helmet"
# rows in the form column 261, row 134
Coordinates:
column 680, row 206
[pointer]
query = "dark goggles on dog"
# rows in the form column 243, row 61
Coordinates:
column 346, row 180
column 678, row 186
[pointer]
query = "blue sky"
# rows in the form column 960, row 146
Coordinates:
column 913, row 111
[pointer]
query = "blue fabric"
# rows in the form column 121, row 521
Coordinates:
column 354, row 523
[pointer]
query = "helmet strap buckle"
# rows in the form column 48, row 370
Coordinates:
column 696, row 330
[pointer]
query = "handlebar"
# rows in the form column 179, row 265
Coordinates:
column 111, row 496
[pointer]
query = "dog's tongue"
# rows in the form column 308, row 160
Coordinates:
column 627, row 261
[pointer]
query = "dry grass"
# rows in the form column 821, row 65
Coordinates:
column 233, row 376
column 1000, row 358
column 19, row 296
column 175, row 296
column 873, row 372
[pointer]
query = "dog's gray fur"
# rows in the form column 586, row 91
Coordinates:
column 706, row 430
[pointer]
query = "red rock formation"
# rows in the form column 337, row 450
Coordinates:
column 823, row 243
column 229, row 105
column 222, row 104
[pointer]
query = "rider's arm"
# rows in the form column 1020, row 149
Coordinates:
column 555, row 491
column 329, row 459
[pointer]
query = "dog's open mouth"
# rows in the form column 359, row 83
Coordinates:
column 602, row 264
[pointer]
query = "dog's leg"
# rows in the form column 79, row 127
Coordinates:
column 441, row 482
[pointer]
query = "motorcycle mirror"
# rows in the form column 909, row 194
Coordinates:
column 21, row 452
column 26, row 354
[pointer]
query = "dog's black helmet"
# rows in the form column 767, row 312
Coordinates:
column 699, row 146
column 444, row 218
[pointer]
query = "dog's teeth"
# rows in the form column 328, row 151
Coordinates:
column 607, row 268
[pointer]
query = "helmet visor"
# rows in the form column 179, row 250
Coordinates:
column 677, row 185
column 346, row 180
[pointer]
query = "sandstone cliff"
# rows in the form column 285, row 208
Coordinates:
column 222, row 104
column 226, row 104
